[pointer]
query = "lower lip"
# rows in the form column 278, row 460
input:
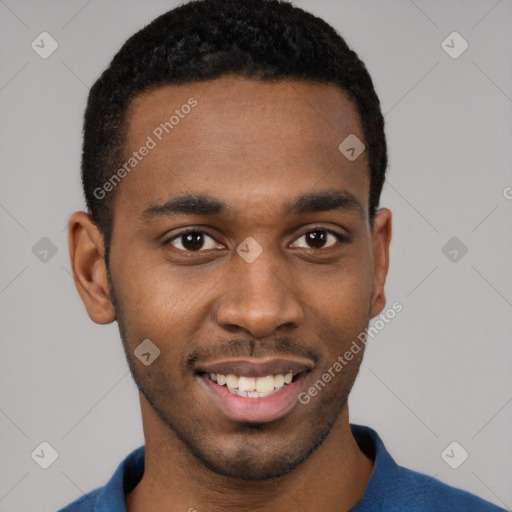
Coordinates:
column 254, row 410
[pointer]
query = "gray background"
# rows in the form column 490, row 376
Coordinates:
column 439, row 372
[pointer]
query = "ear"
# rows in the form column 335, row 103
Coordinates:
column 86, row 250
column 381, row 238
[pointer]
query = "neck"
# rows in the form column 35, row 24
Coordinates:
column 333, row 478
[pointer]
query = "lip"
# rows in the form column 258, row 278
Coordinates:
column 254, row 410
column 257, row 368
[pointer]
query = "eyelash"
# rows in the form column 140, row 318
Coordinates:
column 342, row 239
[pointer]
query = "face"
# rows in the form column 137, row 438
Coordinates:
column 243, row 250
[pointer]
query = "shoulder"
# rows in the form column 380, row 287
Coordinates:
column 110, row 498
column 423, row 493
column 394, row 488
column 86, row 503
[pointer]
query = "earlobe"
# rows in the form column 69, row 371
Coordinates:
column 88, row 268
column 381, row 237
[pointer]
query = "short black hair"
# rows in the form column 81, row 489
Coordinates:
column 266, row 40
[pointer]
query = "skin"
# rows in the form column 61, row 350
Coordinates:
column 256, row 147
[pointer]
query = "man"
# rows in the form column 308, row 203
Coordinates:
column 234, row 155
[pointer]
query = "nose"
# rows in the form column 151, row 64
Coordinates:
column 258, row 298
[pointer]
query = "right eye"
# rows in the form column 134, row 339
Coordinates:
column 193, row 240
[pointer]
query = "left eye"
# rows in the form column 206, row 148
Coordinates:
column 318, row 238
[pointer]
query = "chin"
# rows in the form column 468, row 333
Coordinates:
column 254, row 452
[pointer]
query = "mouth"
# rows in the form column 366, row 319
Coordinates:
column 253, row 387
column 254, row 391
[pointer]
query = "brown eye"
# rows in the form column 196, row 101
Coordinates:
column 319, row 239
column 316, row 239
column 192, row 241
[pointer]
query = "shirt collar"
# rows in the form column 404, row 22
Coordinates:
column 126, row 477
column 385, row 469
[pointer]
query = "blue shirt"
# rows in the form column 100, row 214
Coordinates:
column 391, row 488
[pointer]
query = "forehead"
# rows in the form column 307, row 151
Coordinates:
column 242, row 138
column 241, row 108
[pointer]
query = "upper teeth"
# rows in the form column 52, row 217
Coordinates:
column 247, row 386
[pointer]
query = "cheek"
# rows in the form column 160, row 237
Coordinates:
column 344, row 289
column 339, row 302
column 344, row 306
column 159, row 302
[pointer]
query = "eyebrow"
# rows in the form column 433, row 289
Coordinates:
column 327, row 201
column 200, row 204
column 193, row 204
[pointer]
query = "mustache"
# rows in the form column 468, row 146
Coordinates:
column 249, row 348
